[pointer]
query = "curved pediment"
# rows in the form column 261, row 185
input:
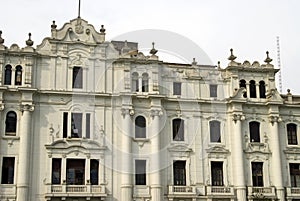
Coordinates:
column 78, row 30
column 70, row 144
column 179, row 148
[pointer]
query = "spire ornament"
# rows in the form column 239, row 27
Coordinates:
column 231, row 57
column 268, row 60
column 102, row 30
column 53, row 25
column 153, row 51
column 29, row 42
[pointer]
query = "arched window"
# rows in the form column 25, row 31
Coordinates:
column 7, row 76
column 252, row 88
column 145, row 82
column 18, row 75
column 292, row 133
column 262, row 89
column 11, row 123
column 140, row 127
column 254, row 131
column 178, row 129
column 215, row 134
column 135, row 82
column 243, row 84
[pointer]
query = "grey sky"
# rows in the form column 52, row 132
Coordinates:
column 249, row 27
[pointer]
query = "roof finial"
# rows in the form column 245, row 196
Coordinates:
column 29, row 42
column 153, row 51
column 79, row 1
column 268, row 59
column 231, row 57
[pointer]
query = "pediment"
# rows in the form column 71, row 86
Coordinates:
column 217, row 149
column 78, row 30
column 70, row 144
column 179, row 148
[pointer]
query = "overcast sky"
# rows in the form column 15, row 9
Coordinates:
column 250, row 27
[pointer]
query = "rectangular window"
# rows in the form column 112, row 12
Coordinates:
column 254, row 131
column 140, row 172
column 94, row 172
column 56, row 170
column 217, row 173
column 176, row 88
column 76, row 125
column 257, row 174
column 75, row 171
column 8, row 170
column 179, row 173
column 87, row 125
column 178, row 129
column 77, row 78
column 215, row 134
column 213, row 90
column 295, row 174
column 292, row 134
column 65, row 125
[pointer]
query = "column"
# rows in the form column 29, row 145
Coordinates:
column 248, row 90
column 24, row 154
column 126, row 179
column 140, row 83
column 257, row 90
column 276, row 158
column 155, row 168
column 238, row 158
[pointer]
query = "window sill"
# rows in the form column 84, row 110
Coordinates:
column 7, row 137
column 141, row 141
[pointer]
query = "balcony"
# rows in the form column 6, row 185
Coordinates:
column 75, row 191
column 293, row 192
column 141, row 191
column 8, row 191
column 182, row 191
column 261, row 192
column 220, row 191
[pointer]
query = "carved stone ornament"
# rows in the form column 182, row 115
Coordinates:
column 127, row 111
column 27, row 107
column 155, row 112
column 78, row 27
column 238, row 117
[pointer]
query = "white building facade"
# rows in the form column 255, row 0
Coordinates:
column 87, row 119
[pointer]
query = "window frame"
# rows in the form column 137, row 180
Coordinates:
column 260, row 174
column 294, row 175
column 254, row 137
column 181, row 179
column 77, row 84
column 242, row 83
column 262, row 89
column 213, row 90
column 11, row 133
column 59, row 172
column 137, row 128
column 252, row 89
column 177, row 88
column 6, row 70
column 7, row 175
column 18, row 75
column 217, row 180
column 219, row 131
column 86, row 130
column 292, row 138
column 176, row 137
column 75, row 178
column 140, row 179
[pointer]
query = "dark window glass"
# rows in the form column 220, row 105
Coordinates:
column 76, row 125
column 252, row 88
column 262, row 89
column 88, row 126
column 254, row 131
column 178, row 129
column 176, row 88
column 18, row 75
column 215, row 134
column 213, row 90
column 11, row 123
column 257, row 174
column 145, row 83
column 295, row 174
column 217, row 173
column 292, row 134
column 75, row 171
column 56, row 170
column 7, row 77
column 140, row 172
column 140, row 127
column 94, row 172
column 179, row 173
column 77, row 78
column 243, row 84
column 65, row 125
column 8, row 170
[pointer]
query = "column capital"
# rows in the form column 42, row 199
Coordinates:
column 238, row 117
column 156, row 112
column 275, row 119
column 127, row 111
column 27, row 107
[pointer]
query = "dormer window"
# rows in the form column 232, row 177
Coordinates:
column 77, row 78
